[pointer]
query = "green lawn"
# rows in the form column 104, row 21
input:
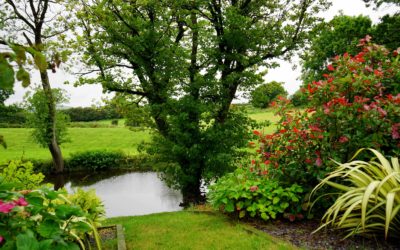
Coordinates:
column 191, row 230
column 82, row 139
column 102, row 137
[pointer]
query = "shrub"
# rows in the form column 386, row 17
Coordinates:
column 87, row 114
column 12, row 116
column 249, row 192
column 114, row 122
column 369, row 197
column 263, row 95
column 95, row 160
column 42, row 219
column 22, row 175
column 356, row 105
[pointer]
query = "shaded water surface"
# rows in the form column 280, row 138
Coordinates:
column 124, row 194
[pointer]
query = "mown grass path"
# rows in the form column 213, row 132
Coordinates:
column 193, row 230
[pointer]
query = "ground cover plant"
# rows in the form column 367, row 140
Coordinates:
column 248, row 192
column 194, row 230
column 368, row 201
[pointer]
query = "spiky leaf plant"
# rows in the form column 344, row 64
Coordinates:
column 369, row 200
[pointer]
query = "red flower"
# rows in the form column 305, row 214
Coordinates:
column 282, row 131
column 256, row 132
column 308, row 161
column 265, row 172
column 378, row 73
column 343, row 139
column 267, row 162
column 395, row 131
column 330, row 67
column 253, row 188
column 253, row 162
column 295, row 130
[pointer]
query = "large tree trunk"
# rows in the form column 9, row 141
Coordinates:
column 53, row 146
column 192, row 194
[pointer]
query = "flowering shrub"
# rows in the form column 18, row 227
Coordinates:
column 249, row 192
column 42, row 219
column 356, row 105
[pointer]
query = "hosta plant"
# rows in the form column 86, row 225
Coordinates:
column 248, row 192
column 369, row 200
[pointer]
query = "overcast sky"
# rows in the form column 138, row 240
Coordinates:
column 92, row 94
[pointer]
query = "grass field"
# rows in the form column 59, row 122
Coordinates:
column 191, row 230
column 20, row 143
column 101, row 137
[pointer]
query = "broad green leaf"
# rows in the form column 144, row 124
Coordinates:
column 6, row 74
column 49, row 229
column 27, row 241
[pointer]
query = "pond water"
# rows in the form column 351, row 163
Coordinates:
column 123, row 194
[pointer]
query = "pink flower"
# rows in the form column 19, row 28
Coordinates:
column 343, row 139
column 6, row 207
column 318, row 162
column 21, row 202
column 395, row 131
column 1, row 239
column 253, row 188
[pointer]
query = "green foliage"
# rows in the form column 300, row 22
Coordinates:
column 378, row 3
column 96, row 160
column 42, row 219
column 38, row 117
column 4, row 95
column 90, row 203
column 6, row 73
column 86, row 114
column 249, row 192
column 357, row 105
column 22, row 175
column 12, row 115
column 369, row 197
column 299, row 99
column 263, row 95
column 189, row 58
column 336, row 37
column 387, row 32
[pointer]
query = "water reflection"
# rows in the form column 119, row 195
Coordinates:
column 130, row 193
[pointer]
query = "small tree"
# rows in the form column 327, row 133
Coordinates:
column 38, row 113
column 34, row 30
column 263, row 95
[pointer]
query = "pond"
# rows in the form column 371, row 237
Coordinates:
column 125, row 194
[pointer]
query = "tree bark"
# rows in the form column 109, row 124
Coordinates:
column 53, row 146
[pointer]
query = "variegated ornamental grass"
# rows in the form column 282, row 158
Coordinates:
column 369, row 200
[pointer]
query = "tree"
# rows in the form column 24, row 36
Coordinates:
column 378, row 3
column 38, row 113
column 4, row 95
column 336, row 37
column 263, row 95
column 188, row 59
column 31, row 27
column 387, row 32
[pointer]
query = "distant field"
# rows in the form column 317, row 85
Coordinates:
column 92, row 137
column 82, row 139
